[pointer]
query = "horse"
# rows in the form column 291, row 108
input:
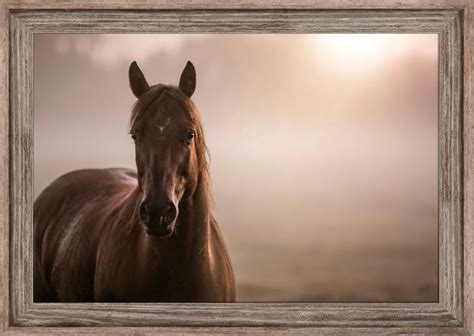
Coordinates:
column 120, row 235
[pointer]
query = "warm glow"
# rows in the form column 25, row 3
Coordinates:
column 352, row 51
column 323, row 148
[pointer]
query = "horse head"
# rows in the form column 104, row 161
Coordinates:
column 170, row 152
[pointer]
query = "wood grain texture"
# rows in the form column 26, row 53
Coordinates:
column 238, row 314
column 450, row 19
column 233, row 331
column 236, row 21
column 469, row 170
column 450, row 169
column 4, row 158
column 21, row 168
column 236, row 4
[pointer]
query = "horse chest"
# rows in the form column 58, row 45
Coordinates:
column 149, row 277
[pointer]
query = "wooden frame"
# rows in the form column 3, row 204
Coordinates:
column 451, row 20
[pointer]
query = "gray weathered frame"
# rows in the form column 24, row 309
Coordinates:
column 19, row 20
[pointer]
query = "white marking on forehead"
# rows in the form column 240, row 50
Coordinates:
column 164, row 126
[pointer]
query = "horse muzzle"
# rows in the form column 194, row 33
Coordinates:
column 158, row 221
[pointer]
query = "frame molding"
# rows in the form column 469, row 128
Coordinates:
column 454, row 311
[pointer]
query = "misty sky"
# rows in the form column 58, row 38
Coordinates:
column 319, row 144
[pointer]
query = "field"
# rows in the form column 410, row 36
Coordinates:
column 381, row 274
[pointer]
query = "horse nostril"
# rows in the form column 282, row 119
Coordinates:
column 168, row 212
column 144, row 214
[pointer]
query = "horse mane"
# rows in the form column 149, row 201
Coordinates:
column 149, row 102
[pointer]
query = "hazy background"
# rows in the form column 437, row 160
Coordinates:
column 323, row 149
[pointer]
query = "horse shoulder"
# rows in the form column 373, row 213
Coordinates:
column 68, row 219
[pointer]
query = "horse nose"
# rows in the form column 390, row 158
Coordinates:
column 162, row 214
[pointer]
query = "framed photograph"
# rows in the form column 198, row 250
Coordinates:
column 225, row 167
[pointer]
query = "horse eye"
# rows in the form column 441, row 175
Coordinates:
column 134, row 137
column 190, row 136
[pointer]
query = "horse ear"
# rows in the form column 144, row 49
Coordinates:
column 137, row 80
column 187, row 82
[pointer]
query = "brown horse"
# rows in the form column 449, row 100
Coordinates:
column 114, row 235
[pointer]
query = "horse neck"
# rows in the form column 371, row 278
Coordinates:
column 194, row 221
